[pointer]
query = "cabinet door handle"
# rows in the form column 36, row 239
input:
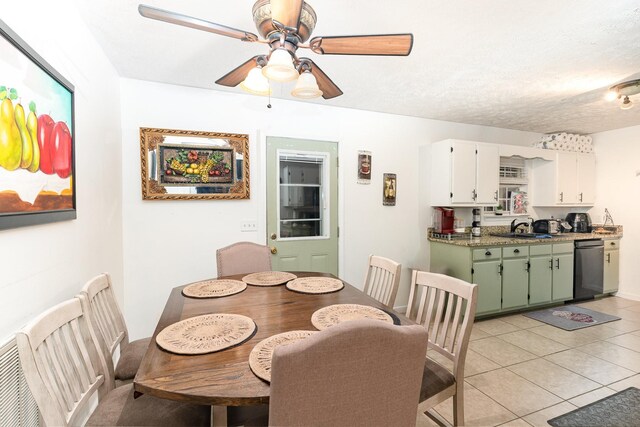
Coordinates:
column 551, row 264
column 474, row 195
column 609, row 258
column 495, row 196
column 580, row 197
column 488, row 253
column 558, row 263
column 500, row 269
column 527, row 266
column 516, row 251
column 562, row 196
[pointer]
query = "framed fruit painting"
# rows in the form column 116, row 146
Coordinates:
column 193, row 165
column 37, row 171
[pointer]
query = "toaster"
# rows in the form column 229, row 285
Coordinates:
column 547, row 226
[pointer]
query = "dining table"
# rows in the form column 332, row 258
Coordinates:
column 224, row 378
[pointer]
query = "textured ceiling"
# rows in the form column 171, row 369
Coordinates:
column 534, row 65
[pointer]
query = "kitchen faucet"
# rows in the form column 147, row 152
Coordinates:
column 528, row 223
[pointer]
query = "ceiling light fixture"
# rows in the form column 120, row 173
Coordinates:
column 255, row 82
column 307, row 85
column 623, row 91
column 280, row 66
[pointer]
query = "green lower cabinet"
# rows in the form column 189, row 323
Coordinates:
column 611, row 270
column 562, row 277
column 515, row 282
column 486, row 275
column 540, row 277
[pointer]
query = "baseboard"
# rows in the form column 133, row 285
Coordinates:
column 625, row 295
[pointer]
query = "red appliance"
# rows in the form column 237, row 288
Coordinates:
column 443, row 220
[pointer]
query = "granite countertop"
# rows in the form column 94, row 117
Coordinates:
column 487, row 240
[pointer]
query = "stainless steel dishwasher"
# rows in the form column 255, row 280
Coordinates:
column 588, row 269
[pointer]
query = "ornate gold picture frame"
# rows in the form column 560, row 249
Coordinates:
column 193, row 165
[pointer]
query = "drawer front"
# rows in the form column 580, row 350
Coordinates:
column 610, row 245
column 486, row 254
column 515, row 251
column 540, row 250
column 563, row 248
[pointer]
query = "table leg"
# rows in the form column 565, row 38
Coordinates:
column 218, row 416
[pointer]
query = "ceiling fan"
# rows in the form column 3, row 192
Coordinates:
column 285, row 25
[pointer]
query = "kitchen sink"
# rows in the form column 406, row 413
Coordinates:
column 523, row 235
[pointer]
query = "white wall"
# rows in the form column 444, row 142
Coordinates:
column 171, row 243
column 618, row 189
column 43, row 265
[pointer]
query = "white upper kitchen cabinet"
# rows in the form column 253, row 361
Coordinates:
column 464, row 173
column 586, row 178
column 568, row 180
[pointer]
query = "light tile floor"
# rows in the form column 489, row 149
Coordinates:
column 521, row 372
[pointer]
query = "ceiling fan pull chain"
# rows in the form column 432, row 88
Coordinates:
column 269, row 104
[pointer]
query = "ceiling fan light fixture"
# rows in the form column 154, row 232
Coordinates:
column 256, row 83
column 280, row 67
column 306, row 86
column 612, row 95
column 626, row 103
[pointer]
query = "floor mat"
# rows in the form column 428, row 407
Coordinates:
column 620, row 409
column 571, row 317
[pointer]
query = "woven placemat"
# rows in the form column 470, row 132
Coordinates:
column 206, row 334
column 260, row 357
column 268, row 278
column 338, row 313
column 214, row 288
column 315, row 285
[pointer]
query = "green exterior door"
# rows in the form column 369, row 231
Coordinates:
column 540, row 277
column 486, row 275
column 302, row 204
column 515, row 282
column 562, row 277
column 611, row 270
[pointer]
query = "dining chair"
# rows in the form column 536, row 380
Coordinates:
column 446, row 307
column 109, row 321
column 357, row 373
column 65, row 364
column 243, row 258
column 383, row 280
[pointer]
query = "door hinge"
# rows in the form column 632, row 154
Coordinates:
column 338, row 231
column 337, row 162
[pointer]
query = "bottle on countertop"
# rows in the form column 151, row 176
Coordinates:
column 475, row 224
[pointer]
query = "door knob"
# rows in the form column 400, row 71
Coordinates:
column 273, row 236
column 274, row 250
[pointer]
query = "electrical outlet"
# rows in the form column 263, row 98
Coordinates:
column 248, row 226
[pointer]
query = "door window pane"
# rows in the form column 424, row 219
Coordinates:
column 301, row 193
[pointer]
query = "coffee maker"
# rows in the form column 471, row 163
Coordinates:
column 580, row 222
column 443, row 220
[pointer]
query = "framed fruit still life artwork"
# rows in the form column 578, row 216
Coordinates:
column 192, row 165
column 37, row 171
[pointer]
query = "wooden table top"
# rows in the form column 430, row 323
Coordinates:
column 224, row 378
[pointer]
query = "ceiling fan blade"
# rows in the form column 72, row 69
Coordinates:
column 378, row 44
column 286, row 12
column 326, row 85
column 234, row 77
column 198, row 24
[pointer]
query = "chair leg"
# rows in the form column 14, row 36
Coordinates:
column 458, row 405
